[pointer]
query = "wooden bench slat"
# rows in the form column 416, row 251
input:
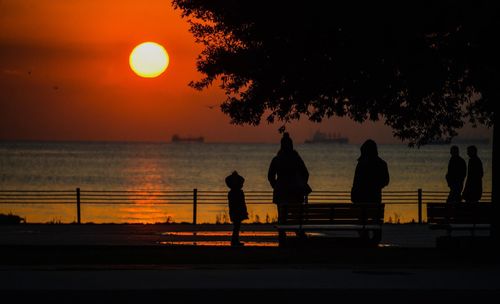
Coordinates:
column 312, row 227
column 461, row 216
column 461, row 226
column 333, row 217
column 330, row 222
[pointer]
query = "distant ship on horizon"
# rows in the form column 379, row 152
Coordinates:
column 176, row 138
column 321, row 137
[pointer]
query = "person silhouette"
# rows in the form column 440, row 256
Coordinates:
column 473, row 184
column 370, row 177
column 237, row 207
column 288, row 176
column 455, row 175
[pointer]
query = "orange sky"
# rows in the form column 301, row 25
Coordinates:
column 64, row 75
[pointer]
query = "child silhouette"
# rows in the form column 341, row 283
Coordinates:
column 237, row 207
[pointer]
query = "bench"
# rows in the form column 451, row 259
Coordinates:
column 460, row 216
column 320, row 217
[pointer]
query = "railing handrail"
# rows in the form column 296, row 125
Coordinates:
column 203, row 197
column 128, row 195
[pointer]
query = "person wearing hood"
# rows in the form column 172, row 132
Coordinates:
column 288, row 176
column 370, row 177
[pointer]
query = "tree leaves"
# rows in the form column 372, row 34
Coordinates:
column 423, row 67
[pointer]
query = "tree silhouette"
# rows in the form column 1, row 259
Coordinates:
column 424, row 68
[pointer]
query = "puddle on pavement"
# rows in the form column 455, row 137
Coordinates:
column 220, row 233
column 385, row 245
column 219, row 243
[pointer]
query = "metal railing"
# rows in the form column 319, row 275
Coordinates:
column 197, row 197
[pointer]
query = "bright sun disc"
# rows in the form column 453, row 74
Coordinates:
column 149, row 59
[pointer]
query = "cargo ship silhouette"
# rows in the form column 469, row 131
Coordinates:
column 176, row 138
column 320, row 137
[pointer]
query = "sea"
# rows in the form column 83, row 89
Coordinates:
column 126, row 167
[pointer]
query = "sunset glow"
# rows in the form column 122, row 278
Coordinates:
column 63, row 62
column 149, row 60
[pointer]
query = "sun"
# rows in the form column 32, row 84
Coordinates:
column 149, row 59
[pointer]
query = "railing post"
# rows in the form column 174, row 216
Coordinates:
column 195, row 203
column 78, row 214
column 419, row 205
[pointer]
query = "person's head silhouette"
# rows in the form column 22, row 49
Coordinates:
column 235, row 181
column 286, row 142
column 454, row 151
column 472, row 151
column 369, row 149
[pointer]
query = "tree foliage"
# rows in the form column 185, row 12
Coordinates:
column 423, row 67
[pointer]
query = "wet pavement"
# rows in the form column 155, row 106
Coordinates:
column 405, row 235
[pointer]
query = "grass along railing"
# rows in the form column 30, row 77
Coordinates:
column 196, row 197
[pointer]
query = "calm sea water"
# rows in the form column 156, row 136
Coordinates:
column 157, row 166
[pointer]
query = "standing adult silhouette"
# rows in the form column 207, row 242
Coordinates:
column 370, row 177
column 455, row 176
column 473, row 189
column 288, row 176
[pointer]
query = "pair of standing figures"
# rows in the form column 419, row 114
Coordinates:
column 288, row 176
column 458, row 172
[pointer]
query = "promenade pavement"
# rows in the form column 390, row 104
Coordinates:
column 405, row 235
column 138, row 263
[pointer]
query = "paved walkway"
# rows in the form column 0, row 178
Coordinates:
column 245, row 277
column 140, row 263
column 249, row 285
column 408, row 235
